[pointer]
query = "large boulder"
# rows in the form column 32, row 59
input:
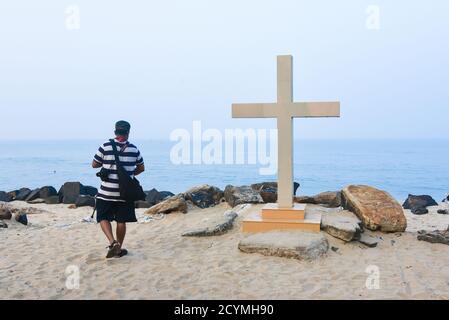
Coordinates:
column 5, row 213
column 240, row 195
column 153, row 197
column 13, row 194
column 166, row 194
column 377, row 209
column 23, row 194
column 418, row 204
column 289, row 244
column 33, row 195
column 173, row 204
column 47, row 192
column 70, row 192
column 331, row 199
column 4, row 197
column 204, row 196
column 269, row 190
column 85, row 201
column 52, row 200
column 343, row 225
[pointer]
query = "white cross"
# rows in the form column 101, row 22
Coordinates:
column 284, row 111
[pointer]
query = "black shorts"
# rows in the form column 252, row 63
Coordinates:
column 116, row 211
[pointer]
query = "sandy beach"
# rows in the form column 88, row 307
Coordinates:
column 164, row 265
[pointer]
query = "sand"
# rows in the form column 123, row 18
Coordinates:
column 164, row 265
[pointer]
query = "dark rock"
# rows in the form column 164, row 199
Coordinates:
column 443, row 211
column 420, row 210
column 216, row 230
column 173, row 204
column 331, row 199
column 269, row 190
column 434, row 236
column 47, row 192
column 3, row 224
column 269, row 195
column 85, row 201
column 13, row 194
column 4, row 197
column 142, row 205
column 418, row 203
column 304, row 199
column 89, row 191
column 52, row 200
column 240, row 195
column 23, row 194
column 36, row 201
column 204, row 196
column 5, row 213
column 369, row 241
column 33, row 195
column 71, row 191
column 166, row 194
column 153, row 197
column 21, row 218
column 61, row 194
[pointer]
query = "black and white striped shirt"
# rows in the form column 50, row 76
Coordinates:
column 130, row 158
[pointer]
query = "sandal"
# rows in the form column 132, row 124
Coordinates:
column 114, row 250
column 123, row 252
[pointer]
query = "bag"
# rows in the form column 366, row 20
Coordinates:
column 130, row 188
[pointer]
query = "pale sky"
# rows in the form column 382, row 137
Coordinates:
column 163, row 64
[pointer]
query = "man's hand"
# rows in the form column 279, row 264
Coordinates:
column 96, row 165
column 139, row 169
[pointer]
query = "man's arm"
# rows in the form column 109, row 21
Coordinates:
column 139, row 169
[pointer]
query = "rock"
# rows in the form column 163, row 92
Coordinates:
column 269, row 190
column 47, row 192
column 23, row 194
column 89, row 191
column 443, row 211
column 434, row 236
column 418, row 204
column 72, row 190
column 5, row 213
column 446, row 199
column 204, row 196
column 21, row 218
column 24, row 210
column 369, row 241
column 176, row 203
column 85, row 201
column 240, row 195
column 3, row 224
column 33, row 195
column 166, row 194
column 331, row 199
column 52, row 200
column 289, row 244
column 153, row 197
column 13, row 194
column 36, row 201
column 72, row 206
column 304, row 199
column 216, row 230
column 375, row 208
column 4, row 197
column 343, row 225
column 420, row 210
column 142, row 205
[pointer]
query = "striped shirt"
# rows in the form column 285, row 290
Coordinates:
column 130, row 158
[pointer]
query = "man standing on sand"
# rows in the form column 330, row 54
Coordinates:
column 110, row 206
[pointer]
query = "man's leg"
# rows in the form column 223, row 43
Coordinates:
column 107, row 230
column 121, row 232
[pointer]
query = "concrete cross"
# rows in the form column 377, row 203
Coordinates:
column 284, row 111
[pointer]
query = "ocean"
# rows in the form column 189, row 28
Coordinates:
column 397, row 166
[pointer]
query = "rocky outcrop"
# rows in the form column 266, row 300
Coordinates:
column 217, row 230
column 85, row 201
column 23, row 194
column 434, row 236
column 173, row 204
column 289, row 244
column 343, row 225
column 377, row 209
column 204, row 196
column 269, row 190
column 240, row 195
column 4, row 197
column 70, row 192
column 418, row 204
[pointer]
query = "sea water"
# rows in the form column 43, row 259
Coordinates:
column 397, row 166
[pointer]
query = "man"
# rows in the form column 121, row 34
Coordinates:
column 110, row 206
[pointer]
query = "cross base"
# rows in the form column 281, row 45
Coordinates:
column 274, row 218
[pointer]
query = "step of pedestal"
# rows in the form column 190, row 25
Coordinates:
column 256, row 223
column 272, row 211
